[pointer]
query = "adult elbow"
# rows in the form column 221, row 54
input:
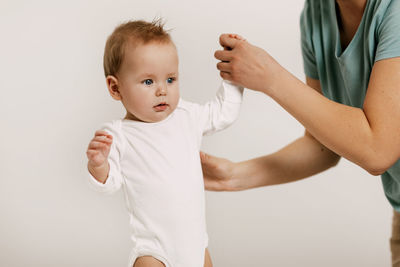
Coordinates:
column 332, row 161
column 377, row 167
column 375, row 171
column 335, row 160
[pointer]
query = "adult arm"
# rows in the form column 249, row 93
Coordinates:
column 368, row 136
column 302, row 158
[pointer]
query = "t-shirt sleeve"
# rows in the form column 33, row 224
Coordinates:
column 389, row 33
column 223, row 110
column 307, row 48
column 114, row 180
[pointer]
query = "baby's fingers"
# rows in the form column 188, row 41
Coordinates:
column 99, row 145
column 237, row 36
column 103, row 139
column 91, row 154
column 95, row 157
column 102, row 133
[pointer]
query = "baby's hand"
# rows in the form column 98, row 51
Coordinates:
column 99, row 148
column 237, row 36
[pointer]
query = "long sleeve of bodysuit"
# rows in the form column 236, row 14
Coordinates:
column 223, row 110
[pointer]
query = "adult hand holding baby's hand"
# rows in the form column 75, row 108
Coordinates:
column 246, row 64
column 97, row 153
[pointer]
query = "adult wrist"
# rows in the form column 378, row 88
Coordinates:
column 238, row 172
column 274, row 85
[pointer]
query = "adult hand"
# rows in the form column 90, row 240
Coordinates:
column 218, row 173
column 246, row 64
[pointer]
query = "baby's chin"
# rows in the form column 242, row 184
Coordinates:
column 157, row 115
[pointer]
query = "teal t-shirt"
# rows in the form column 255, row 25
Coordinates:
column 344, row 75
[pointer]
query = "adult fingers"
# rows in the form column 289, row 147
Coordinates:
column 209, row 162
column 226, row 76
column 204, row 157
column 226, row 41
column 223, row 55
column 224, row 66
column 211, row 185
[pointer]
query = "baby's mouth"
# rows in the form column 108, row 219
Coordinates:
column 161, row 107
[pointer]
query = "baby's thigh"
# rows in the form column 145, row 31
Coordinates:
column 147, row 261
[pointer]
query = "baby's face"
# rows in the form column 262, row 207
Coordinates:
column 148, row 80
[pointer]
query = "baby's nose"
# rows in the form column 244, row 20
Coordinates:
column 161, row 90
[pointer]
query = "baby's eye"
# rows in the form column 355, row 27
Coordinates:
column 148, row 82
column 170, row 80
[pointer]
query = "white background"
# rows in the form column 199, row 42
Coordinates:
column 53, row 98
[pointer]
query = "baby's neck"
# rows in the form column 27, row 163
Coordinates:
column 132, row 117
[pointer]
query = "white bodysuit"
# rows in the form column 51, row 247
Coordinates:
column 158, row 166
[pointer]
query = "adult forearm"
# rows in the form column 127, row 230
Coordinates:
column 343, row 129
column 302, row 158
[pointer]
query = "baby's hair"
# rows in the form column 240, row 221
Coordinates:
column 134, row 32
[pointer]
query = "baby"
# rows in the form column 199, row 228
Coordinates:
column 153, row 152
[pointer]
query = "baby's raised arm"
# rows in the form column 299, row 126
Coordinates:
column 223, row 110
column 97, row 153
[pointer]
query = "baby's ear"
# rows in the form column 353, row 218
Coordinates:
column 113, row 87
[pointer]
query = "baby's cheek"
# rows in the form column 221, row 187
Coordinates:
column 176, row 95
column 143, row 106
column 176, row 99
column 134, row 106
